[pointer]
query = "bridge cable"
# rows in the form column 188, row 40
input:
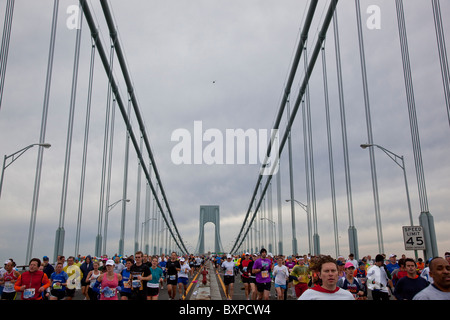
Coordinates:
column 313, row 59
column 9, row 13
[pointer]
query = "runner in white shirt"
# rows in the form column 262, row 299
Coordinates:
column 281, row 274
column 183, row 277
column 228, row 278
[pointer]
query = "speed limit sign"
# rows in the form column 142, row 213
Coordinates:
column 414, row 238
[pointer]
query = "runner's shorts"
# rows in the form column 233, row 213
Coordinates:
column 228, row 279
column 263, row 286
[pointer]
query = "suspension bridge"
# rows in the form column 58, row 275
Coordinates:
column 102, row 140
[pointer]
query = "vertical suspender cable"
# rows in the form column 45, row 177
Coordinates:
column 60, row 232
column 442, row 49
column 110, row 163
column 330, row 151
column 138, row 201
column 98, row 243
column 291, row 185
column 352, row 232
column 307, row 177
column 310, row 155
column 280, row 215
column 125, row 187
column 9, row 13
column 85, row 149
column 369, row 129
column 40, row 159
column 425, row 218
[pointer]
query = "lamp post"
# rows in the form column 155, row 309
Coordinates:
column 272, row 241
column 110, row 207
column 305, row 207
column 15, row 156
column 401, row 164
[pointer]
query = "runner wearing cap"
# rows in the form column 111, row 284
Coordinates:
column 110, row 283
column 228, row 277
column 350, row 283
column 183, row 277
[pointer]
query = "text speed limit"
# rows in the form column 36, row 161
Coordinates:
column 414, row 238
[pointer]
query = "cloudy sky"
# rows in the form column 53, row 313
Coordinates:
column 224, row 63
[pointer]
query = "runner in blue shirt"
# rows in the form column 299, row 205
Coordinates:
column 125, row 293
column 58, row 283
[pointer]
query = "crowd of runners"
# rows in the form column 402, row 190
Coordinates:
column 141, row 277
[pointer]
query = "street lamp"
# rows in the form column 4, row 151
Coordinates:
column 273, row 232
column 395, row 158
column 15, row 156
column 110, row 207
column 305, row 207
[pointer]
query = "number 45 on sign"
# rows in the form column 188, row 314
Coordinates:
column 414, row 238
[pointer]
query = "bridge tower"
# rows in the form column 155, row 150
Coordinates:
column 209, row 214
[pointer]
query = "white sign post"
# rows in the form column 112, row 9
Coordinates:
column 414, row 238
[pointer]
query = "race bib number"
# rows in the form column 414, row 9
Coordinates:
column 136, row 284
column 172, row 277
column 57, row 286
column 29, row 293
column 229, row 272
column 265, row 274
column 9, row 285
column 109, row 292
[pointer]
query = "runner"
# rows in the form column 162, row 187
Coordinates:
column 281, row 274
column 85, row 268
column 407, row 287
column 140, row 274
column 125, row 293
column 261, row 269
column 58, row 283
column 162, row 262
column 91, row 278
column 378, row 280
column 440, row 288
column 110, row 283
column 118, row 265
column 361, row 275
column 300, row 277
column 228, row 277
column 183, row 277
column 32, row 282
column 172, row 266
column 290, row 264
column 75, row 275
column 245, row 274
column 153, row 284
column 8, row 278
column 327, row 270
column 47, row 267
column 350, row 283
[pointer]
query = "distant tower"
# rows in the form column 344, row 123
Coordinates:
column 209, row 214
